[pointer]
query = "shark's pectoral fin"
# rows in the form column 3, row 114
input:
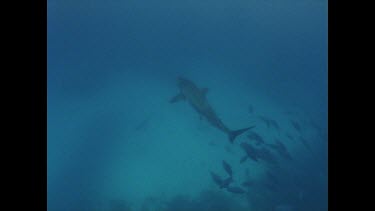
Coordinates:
column 177, row 98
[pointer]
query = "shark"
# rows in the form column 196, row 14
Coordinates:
column 196, row 97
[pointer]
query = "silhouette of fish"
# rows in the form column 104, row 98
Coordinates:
column 256, row 137
column 274, row 124
column 265, row 120
column 266, row 155
column 296, row 125
column 250, row 152
column 219, row 181
column 270, row 122
column 216, row 178
column 226, row 182
column 281, row 149
column 227, row 168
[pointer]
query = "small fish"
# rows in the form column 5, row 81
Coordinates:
column 267, row 156
column 256, row 137
column 280, row 145
column 265, row 120
column 286, row 155
column 296, row 125
column 269, row 122
column 281, row 149
column 217, row 179
column 236, row 190
column 227, row 168
column 274, row 124
column 250, row 152
column 220, row 182
column 225, row 183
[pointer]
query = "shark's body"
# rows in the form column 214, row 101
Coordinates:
column 196, row 97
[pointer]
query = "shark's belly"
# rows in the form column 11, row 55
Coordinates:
column 204, row 109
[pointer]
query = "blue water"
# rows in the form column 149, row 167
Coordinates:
column 116, row 143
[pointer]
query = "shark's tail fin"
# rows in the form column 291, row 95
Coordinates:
column 233, row 134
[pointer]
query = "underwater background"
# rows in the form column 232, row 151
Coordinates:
column 115, row 142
